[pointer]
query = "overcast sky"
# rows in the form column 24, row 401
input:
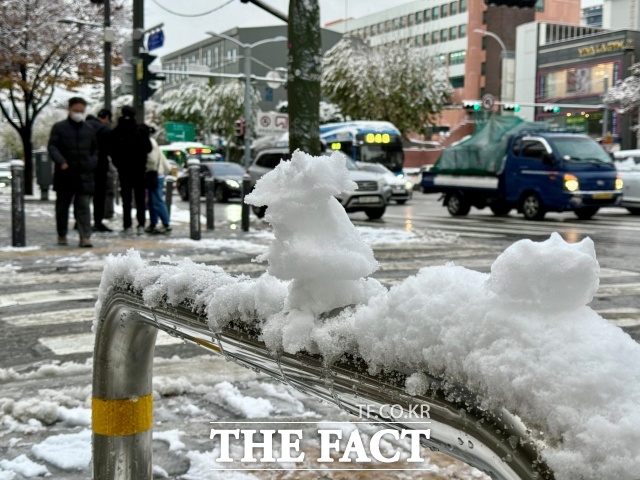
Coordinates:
column 180, row 32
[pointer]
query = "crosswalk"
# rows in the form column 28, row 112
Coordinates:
column 46, row 313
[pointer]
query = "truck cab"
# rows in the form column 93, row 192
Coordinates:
column 540, row 172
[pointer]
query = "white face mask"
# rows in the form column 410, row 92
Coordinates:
column 77, row 116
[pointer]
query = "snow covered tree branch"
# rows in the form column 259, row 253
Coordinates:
column 626, row 94
column 402, row 85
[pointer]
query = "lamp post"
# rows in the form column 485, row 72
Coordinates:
column 248, row 117
column 506, row 93
column 109, row 38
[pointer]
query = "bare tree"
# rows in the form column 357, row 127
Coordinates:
column 38, row 54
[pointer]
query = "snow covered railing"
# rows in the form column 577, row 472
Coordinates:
column 495, row 442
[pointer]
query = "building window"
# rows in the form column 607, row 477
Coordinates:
column 418, row 41
column 410, row 20
column 457, row 82
column 453, row 8
column 208, row 57
column 441, row 60
column 462, row 31
column 434, row 13
column 427, row 15
column 453, row 33
column 463, row 6
column 444, row 10
column 573, row 82
column 216, row 57
column 483, row 69
column 484, row 17
column 457, row 58
column 540, row 6
column 403, row 22
column 434, row 38
column 443, row 35
column 484, row 43
column 396, row 23
column 418, row 19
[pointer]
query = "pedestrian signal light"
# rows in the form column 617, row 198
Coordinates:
column 551, row 109
column 474, row 105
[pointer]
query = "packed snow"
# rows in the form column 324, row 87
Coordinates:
column 68, row 451
column 24, row 466
column 521, row 337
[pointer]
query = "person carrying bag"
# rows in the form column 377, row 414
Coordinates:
column 156, row 169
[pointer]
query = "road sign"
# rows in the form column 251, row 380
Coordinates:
column 275, row 80
column 488, row 101
column 155, row 40
column 179, row 132
column 272, row 123
column 127, row 52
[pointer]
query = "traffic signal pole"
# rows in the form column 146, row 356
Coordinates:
column 138, row 47
column 107, row 55
column 248, row 117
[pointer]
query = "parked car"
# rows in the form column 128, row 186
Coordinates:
column 180, row 151
column 399, row 189
column 368, row 198
column 627, row 163
column 227, row 180
column 5, row 175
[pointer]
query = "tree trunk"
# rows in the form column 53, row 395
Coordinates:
column 305, row 69
column 25, row 135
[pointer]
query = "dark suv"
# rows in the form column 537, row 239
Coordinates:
column 227, row 180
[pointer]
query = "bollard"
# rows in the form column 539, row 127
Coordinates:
column 194, row 198
column 246, row 190
column 169, row 183
column 18, row 232
column 209, row 186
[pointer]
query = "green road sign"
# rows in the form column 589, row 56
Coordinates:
column 180, row 132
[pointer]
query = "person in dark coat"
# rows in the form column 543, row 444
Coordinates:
column 130, row 145
column 102, row 127
column 73, row 147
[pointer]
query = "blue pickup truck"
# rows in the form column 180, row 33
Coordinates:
column 535, row 173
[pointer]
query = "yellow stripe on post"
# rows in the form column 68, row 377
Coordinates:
column 114, row 418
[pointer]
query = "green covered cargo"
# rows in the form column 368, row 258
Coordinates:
column 482, row 154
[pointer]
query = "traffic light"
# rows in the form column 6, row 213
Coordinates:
column 474, row 105
column 150, row 81
column 511, row 107
column 512, row 3
column 240, row 129
column 127, row 78
column 550, row 109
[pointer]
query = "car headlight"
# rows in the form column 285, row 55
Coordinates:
column 232, row 183
column 408, row 185
column 619, row 183
column 571, row 182
column 400, row 175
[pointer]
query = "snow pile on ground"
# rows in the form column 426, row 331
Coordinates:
column 218, row 244
column 627, row 165
column 171, row 438
column 316, row 246
column 521, row 337
column 70, row 451
column 19, row 249
column 389, row 236
column 229, row 397
column 24, row 466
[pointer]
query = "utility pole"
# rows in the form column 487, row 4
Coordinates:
column 138, row 47
column 248, row 113
column 107, row 54
column 305, row 71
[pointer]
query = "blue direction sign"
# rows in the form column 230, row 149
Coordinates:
column 156, row 40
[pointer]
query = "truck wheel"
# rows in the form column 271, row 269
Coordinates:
column 457, row 205
column 586, row 213
column 634, row 210
column 532, row 207
column 375, row 213
column 259, row 212
column 500, row 209
column 183, row 190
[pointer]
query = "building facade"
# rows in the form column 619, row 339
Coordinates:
column 218, row 55
column 447, row 29
column 575, row 66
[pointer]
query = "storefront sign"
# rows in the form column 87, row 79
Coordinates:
column 605, row 47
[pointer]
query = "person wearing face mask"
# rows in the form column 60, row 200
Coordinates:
column 73, row 147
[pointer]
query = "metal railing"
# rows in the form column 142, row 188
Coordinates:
column 495, row 442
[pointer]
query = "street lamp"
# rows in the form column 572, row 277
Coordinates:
column 248, row 118
column 505, row 93
column 109, row 38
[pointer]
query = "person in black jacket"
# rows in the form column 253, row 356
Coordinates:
column 102, row 127
column 74, row 150
column 130, row 145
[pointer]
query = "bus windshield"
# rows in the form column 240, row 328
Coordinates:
column 389, row 155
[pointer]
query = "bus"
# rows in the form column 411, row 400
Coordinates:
column 366, row 141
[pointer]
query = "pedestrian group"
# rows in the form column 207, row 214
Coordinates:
column 84, row 150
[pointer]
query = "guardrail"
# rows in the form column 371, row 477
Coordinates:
column 495, row 442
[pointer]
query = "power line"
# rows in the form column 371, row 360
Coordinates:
column 190, row 15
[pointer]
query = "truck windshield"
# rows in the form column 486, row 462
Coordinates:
column 580, row 149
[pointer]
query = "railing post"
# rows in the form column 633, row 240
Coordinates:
column 18, row 231
column 209, row 184
column 246, row 189
column 169, row 183
column 194, row 198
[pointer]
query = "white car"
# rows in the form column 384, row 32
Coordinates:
column 627, row 163
column 368, row 198
column 400, row 189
